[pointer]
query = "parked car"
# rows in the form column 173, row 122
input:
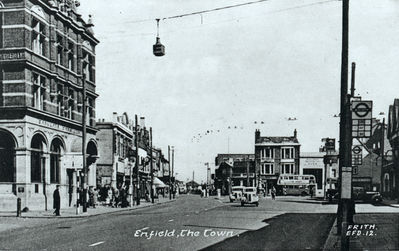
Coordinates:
column 359, row 194
column 250, row 196
column 182, row 190
column 236, row 193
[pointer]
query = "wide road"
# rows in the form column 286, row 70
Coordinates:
column 189, row 223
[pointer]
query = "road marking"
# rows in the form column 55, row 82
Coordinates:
column 170, row 220
column 187, row 215
column 144, row 228
column 96, row 244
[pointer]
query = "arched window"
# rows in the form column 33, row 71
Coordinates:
column 92, row 152
column 55, row 160
column 37, row 159
column 7, row 157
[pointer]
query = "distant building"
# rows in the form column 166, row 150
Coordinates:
column 115, row 139
column 46, row 51
column 231, row 170
column 325, row 172
column 391, row 173
column 376, row 161
column 243, row 173
column 275, row 156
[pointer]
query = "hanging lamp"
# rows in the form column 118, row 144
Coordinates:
column 158, row 48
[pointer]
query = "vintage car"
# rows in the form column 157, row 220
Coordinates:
column 250, row 196
column 359, row 194
column 236, row 193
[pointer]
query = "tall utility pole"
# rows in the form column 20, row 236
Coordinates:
column 207, row 179
column 151, row 168
column 173, row 170
column 353, row 79
column 170, row 180
column 84, row 176
column 382, row 152
column 344, row 134
column 131, row 182
column 136, row 142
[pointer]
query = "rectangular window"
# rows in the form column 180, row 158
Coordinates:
column 70, row 57
column 269, row 169
column 60, row 50
column 39, row 88
column 267, row 153
column 288, row 169
column 38, row 37
column 91, row 68
column 60, row 97
column 287, row 153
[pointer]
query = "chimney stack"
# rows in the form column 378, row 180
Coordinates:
column 114, row 117
column 295, row 133
column 257, row 135
column 142, row 122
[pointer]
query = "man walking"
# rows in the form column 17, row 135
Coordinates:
column 273, row 193
column 57, row 201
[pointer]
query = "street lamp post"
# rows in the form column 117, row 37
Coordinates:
column 173, row 166
column 207, row 179
column 136, row 140
column 345, row 165
column 170, row 180
column 151, row 168
column 84, row 178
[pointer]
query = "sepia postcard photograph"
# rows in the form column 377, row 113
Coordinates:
column 185, row 125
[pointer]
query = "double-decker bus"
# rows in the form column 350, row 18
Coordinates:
column 295, row 184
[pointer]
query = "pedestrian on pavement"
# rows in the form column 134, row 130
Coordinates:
column 116, row 195
column 123, row 196
column 95, row 197
column 109, row 197
column 273, row 193
column 57, row 201
column 311, row 191
column 91, row 197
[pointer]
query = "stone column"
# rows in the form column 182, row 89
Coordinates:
column 23, row 181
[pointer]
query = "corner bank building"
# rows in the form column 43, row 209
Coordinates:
column 45, row 47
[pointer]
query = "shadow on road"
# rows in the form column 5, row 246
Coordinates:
column 285, row 232
column 302, row 201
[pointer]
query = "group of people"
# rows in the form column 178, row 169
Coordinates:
column 114, row 197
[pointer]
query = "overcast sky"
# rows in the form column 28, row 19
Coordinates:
column 262, row 62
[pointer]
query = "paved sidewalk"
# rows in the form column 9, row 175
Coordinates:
column 385, row 236
column 71, row 212
column 391, row 203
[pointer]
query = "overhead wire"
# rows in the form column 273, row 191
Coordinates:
column 125, row 34
column 215, row 9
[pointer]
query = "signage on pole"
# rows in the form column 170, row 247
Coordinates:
column 361, row 118
column 357, row 156
column 346, row 185
column 362, row 109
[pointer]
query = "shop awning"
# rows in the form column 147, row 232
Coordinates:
column 158, row 183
